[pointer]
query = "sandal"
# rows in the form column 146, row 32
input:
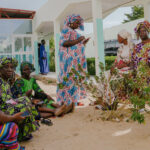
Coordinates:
column 47, row 122
column 27, row 138
column 80, row 104
column 100, row 107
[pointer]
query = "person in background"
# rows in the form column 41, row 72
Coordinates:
column 44, row 68
column 39, row 45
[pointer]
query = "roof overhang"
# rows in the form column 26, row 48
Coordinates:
column 85, row 8
column 45, row 27
column 6, row 13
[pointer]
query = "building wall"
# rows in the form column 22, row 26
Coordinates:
column 111, row 33
column 24, row 28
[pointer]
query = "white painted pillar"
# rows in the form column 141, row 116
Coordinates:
column 147, row 10
column 98, row 34
column 57, row 38
column 35, row 52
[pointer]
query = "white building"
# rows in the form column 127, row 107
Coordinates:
column 49, row 20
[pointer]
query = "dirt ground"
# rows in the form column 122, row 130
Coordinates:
column 83, row 130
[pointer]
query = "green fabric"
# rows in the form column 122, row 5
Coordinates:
column 49, row 103
column 22, row 86
column 6, row 60
column 29, row 124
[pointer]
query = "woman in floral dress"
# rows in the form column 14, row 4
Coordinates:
column 12, row 106
column 141, row 53
column 71, row 53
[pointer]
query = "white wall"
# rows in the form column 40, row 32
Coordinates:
column 111, row 33
column 24, row 28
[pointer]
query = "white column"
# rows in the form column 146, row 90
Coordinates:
column 147, row 10
column 56, row 37
column 35, row 51
column 98, row 34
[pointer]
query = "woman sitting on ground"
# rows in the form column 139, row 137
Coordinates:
column 9, row 131
column 122, row 65
column 11, row 106
column 26, row 84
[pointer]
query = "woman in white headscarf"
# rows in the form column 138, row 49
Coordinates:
column 123, row 60
column 122, row 64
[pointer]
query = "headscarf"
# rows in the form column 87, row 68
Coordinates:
column 126, row 35
column 144, row 24
column 72, row 18
column 6, row 60
column 26, row 63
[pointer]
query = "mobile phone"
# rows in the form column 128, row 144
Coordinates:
column 25, row 114
column 40, row 103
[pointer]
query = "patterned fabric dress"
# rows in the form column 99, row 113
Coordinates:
column 21, row 86
column 70, row 57
column 11, row 106
column 8, row 136
column 141, row 53
column 141, row 57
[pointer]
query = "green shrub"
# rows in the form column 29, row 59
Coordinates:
column 109, row 60
column 91, row 66
column 52, row 61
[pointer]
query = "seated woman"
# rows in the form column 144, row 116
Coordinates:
column 123, row 61
column 141, row 52
column 11, row 106
column 26, row 84
column 122, row 65
column 9, row 131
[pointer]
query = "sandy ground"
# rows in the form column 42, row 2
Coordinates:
column 82, row 130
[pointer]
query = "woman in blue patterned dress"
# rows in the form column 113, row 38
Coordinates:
column 71, row 53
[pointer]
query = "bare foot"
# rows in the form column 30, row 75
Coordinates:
column 59, row 111
column 69, row 108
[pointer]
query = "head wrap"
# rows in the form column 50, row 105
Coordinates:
column 25, row 63
column 6, row 60
column 72, row 18
column 144, row 24
column 126, row 35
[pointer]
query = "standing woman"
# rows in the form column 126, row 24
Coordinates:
column 44, row 68
column 71, row 53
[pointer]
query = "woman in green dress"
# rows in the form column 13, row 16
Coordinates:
column 11, row 106
column 26, row 84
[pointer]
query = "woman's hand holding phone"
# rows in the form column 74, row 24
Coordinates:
column 86, row 40
column 18, row 117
